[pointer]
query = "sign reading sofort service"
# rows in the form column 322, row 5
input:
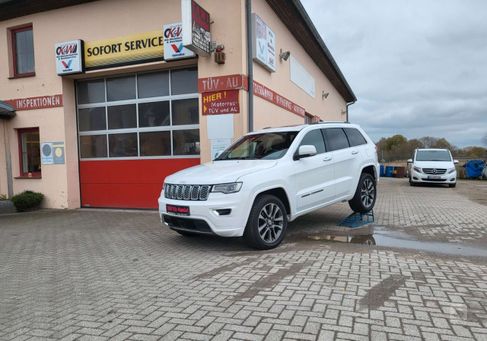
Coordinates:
column 69, row 57
column 173, row 42
column 132, row 49
column 263, row 43
column 196, row 27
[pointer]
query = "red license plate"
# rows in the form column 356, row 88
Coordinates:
column 180, row 210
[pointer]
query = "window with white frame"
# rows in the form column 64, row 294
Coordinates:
column 143, row 115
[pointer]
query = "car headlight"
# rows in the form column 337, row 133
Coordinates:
column 228, row 188
column 417, row 169
column 451, row 170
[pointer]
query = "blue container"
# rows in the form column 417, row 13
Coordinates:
column 382, row 170
column 390, row 171
column 474, row 168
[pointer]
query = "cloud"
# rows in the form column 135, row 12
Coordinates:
column 417, row 67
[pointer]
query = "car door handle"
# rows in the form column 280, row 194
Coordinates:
column 328, row 158
column 354, row 152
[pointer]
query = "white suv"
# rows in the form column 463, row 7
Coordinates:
column 270, row 177
column 432, row 166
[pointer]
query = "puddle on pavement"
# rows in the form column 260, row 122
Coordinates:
column 360, row 229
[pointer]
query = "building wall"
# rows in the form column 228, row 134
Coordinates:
column 108, row 19
column 280, row 81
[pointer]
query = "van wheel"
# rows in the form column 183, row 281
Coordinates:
column 267, row 223
column 411, row 183
column 364, row 199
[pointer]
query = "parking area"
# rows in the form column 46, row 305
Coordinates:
column 100, row 274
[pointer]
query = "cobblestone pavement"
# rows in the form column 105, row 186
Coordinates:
column 95, row 275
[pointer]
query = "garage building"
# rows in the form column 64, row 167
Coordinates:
column 101, row 100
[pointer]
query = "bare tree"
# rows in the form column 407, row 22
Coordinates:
column 484, row 140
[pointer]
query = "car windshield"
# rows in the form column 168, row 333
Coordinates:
column 433, row 155
column 267, row 146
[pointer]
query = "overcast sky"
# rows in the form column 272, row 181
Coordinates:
column 417, row 67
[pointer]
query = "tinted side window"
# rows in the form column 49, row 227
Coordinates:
column 355, row 137
column 314, row 138
column 335, row 139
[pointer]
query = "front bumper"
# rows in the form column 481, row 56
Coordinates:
column 448, row 178
column 204, row 217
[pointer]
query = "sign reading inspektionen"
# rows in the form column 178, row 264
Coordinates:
column 220, row 102
column 32, row 103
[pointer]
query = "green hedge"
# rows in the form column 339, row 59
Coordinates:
column 27, row 200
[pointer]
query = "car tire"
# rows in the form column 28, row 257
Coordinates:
column 411, row 183
column 452, row 185
column 365, row 195
column 267, row 223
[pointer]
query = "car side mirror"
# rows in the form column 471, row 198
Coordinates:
column 410, row 160
column 455, row 162
column 306, row 151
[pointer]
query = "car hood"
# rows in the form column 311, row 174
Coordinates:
column 434, row 164
column 219, row 172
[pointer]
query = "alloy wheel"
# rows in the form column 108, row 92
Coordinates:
column 367, row 193
column 270, row 223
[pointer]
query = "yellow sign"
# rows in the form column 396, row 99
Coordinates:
column 132, row 49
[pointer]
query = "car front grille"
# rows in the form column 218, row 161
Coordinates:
column 187, row 192
column 434, row 171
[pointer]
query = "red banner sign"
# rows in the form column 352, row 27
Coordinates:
column 32, row 103
column 269, row 95
column 230, row 82
column 239, row 81
column 220, row 102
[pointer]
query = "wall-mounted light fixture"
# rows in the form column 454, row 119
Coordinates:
column 284, row 55
column 324, row 95
column 219, row 54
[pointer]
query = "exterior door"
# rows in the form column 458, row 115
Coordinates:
column 312, row 176
column 134, row 130
column 343, row 159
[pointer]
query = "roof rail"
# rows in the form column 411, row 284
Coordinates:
column 329, row 122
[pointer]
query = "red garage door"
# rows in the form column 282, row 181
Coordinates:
column 134, row 130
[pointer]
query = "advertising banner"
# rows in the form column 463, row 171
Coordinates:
column 69, row 57
column 220, row 102
column 132, row 49
column 196, row 27
column 173, row 42
column 263, row 44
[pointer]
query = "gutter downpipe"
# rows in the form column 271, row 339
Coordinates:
column 8, row 161
column 349, row 104
column 250, row 65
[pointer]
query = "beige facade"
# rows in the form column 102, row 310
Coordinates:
column 108, row 19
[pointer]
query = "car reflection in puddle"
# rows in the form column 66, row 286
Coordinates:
column 360, row 229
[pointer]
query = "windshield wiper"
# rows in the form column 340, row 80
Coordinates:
column 234, row 158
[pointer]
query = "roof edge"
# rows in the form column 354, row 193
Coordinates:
column 323, row 46
column 299, row 13
column 19, row 8
column 6, row 110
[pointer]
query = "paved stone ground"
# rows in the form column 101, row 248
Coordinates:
column 96, row 275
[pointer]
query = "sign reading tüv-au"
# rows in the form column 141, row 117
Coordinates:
column 69, row 57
